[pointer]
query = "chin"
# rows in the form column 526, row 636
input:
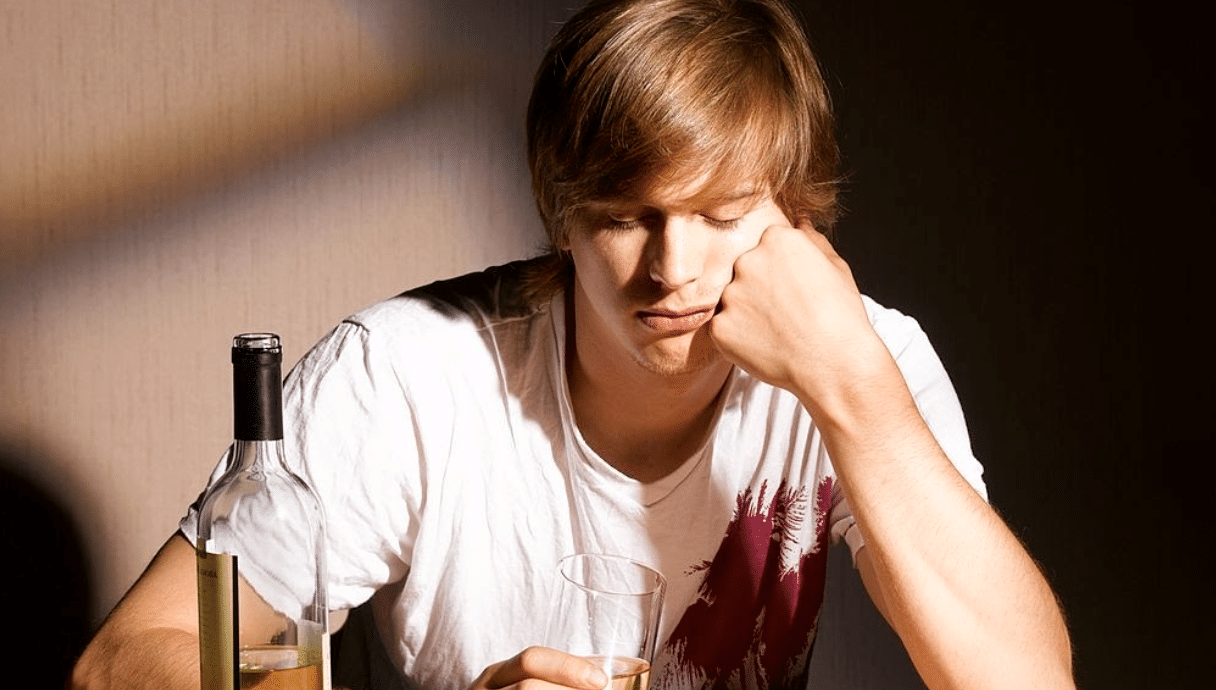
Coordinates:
column 686, row 361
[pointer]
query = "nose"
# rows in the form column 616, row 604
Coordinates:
column 676, row 253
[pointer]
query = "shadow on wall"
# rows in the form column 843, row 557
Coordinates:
column 46, row 577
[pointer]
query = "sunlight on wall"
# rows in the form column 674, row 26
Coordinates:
column 175, row 172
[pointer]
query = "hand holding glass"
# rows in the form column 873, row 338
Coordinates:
column 607, row 608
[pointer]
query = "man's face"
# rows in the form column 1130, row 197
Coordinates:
column 649, row 270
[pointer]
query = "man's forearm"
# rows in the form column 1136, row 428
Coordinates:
column 156, row 659
column 968, row 602
column 150, row 640
column 977, row 620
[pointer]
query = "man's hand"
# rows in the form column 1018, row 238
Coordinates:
column 541, row 667
column 793, row 317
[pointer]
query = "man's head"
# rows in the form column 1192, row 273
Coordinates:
column 639, row 93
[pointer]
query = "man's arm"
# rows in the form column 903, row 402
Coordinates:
column 150, row 640
column 965, row 598
column 962, row 594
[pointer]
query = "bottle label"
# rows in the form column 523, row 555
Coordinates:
column 314, row 649
column 218, row 619
column 326, row 668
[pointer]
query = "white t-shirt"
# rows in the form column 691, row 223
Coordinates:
column 436, row 427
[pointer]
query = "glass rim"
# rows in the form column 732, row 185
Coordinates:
column 257, row 342
column 660, row 582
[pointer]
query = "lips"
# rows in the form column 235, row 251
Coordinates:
column 674, row 323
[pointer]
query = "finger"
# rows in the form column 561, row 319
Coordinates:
column 550, row 665
column 823, row 243
column 811, row 231
column 809, row 228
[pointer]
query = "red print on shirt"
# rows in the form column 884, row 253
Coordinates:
column 754, row 621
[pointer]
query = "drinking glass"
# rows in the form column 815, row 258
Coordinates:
column 606, row 608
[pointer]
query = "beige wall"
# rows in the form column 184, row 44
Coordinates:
column 173, row 172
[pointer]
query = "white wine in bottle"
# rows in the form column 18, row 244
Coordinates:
column 263, row 613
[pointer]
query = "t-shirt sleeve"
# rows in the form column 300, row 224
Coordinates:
column 349, row 433
column 935, row 398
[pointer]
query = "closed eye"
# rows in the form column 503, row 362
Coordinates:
column 615, row 223
column 722, row 223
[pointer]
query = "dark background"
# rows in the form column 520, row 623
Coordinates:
column 1027, row 182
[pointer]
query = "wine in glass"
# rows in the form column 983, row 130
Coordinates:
column 607, row 608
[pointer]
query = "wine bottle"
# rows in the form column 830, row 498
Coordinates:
column 263, row 614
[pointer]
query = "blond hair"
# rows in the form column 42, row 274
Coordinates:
column 639, row 92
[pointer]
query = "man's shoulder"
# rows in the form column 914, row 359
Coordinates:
column 479, row 299
column 896, row 329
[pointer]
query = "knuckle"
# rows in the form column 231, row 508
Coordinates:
column 532, row 659
column 487, row 675
column 744, row 261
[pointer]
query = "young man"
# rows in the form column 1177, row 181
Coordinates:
column 690, row 379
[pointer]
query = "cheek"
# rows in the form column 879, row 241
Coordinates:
column 749, row 233
column 759, row 221
column 616, row 258
column 597, row 269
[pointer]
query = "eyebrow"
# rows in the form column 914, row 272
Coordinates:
column 739, row 195
column 696, row 199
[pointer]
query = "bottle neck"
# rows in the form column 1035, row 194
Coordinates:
column 257, row 396
column 258, row 456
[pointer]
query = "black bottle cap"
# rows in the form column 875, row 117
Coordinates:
column 257, row 387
